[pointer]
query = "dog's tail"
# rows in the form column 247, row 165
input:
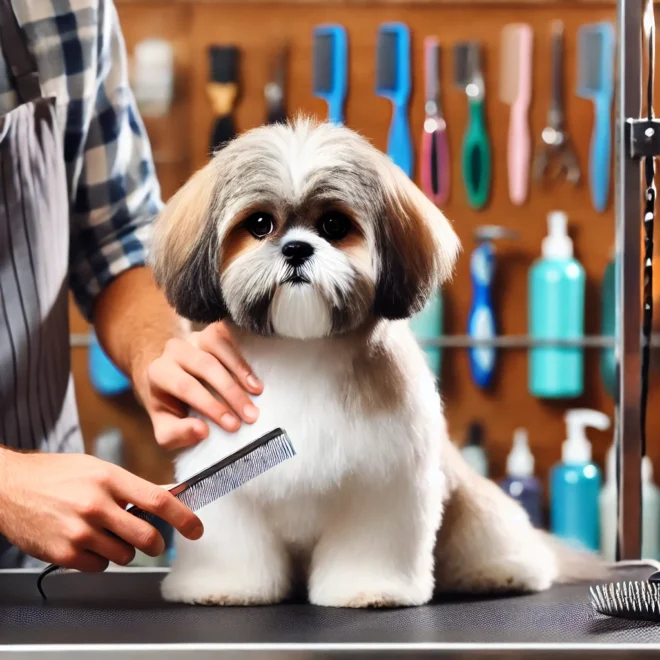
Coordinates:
column 576, row 565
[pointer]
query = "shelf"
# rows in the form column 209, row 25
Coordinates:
column 82, row 340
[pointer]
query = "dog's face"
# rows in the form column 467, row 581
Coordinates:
column 300, row 231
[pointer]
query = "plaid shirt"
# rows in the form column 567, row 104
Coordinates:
column 113, row 190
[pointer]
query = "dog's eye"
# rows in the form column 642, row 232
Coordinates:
column 259, row 224
column 334, row 226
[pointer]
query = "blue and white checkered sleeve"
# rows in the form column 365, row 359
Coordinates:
column 116, row 194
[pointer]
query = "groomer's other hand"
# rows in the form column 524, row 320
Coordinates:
column 175, row 382
column 60, row 508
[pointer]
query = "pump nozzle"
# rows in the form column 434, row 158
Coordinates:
column 557, row 244
column 520, row 461
column 577, row 448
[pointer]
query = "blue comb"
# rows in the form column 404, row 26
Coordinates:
column 596, row 44
column 330, row 72
column 393, row 83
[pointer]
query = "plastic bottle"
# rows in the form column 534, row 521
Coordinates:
column 427, row 324
column 608, row 508
column 473, row 450
column 575, row 484
column 520, row 482
column 556, row 311
column 650, row 511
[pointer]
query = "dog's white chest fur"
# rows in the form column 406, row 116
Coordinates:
column 312, row 391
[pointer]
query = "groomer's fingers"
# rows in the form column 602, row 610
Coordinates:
column 217, row 340
column 111, row 548
column 154, row 499
column 173, row 432
column 207, row 367
column 173, row 379
column 136, row 532
column 80, row 560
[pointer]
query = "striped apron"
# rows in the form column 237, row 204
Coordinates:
column 37, row 400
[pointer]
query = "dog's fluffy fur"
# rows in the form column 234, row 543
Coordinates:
column 378, row 507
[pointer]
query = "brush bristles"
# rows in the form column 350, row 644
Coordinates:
column 322, row 78
column 223, row 64
column 386, row 62
column 591, row 61
column 627, row 600
column 515, row 49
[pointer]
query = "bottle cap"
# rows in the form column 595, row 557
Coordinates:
column 475, row 435
column 647, row 470
column 557, row 244
column 577, row 448
column 520, row 461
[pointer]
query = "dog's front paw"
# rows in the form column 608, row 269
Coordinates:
column 364, row 593
column 205, row 588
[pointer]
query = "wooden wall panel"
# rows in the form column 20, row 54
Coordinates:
column 258, row 28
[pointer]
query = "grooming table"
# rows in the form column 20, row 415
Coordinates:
column 121, row 614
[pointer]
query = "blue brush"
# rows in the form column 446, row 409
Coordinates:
column 596, row 44
column 393, row 83
column 330, row 74
column 481, row 321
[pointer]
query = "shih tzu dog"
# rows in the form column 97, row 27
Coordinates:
column 315, row 248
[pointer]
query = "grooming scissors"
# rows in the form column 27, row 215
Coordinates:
column 275, row 89
column 555, row 154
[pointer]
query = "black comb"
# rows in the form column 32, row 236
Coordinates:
column 217, row 480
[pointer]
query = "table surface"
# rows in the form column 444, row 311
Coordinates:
column 125, row 608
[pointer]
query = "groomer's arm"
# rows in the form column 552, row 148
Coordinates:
column 116, row 199
column 143, row 336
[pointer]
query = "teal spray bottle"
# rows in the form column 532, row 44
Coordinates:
column 575, row 484
column 556, row 312
column 608, row 328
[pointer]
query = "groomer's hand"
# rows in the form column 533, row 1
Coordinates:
column 176, row 382
column 61, row 508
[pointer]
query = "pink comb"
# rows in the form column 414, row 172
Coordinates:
column 516, row 89
column 434, row 165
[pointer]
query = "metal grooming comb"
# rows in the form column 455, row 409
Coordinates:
column 629, row 600
column 219, row 479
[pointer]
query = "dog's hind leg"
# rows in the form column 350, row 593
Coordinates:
column 486, row 543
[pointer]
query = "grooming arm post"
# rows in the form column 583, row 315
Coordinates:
column 628, row 285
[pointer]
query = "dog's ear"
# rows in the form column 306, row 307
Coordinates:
column 185, row 250
column 416, row 243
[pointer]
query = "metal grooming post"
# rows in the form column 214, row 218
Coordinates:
column 628, row 289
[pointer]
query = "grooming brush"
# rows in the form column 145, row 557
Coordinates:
column 628, row 600
column 596, row 83
column 393, row 83
column 434, row 164
column 481, row 322
column 516, row 91
column 222, row 90
column 476, row 156
column 219, row 479
column 330, row 72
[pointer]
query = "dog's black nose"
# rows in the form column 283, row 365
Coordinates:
column 297, row 252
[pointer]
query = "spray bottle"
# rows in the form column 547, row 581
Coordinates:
column 575, row 484
column 520, row 482
column 556, row 312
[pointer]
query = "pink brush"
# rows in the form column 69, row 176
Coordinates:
column 434, row 164
column 516, row 91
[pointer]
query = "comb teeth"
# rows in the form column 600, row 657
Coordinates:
column 515, row 62
column 234, row 475
column 627, row 600
column 431, row 67
column 467, row 62
column 322, row 78
column 386, row 61
column 595, row 58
